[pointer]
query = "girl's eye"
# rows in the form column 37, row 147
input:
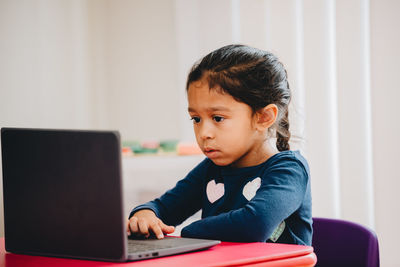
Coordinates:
column 218, row 118
column 195, row 119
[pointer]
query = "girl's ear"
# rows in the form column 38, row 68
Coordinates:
column 266, row 117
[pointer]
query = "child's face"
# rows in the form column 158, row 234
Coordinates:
column 225, row 129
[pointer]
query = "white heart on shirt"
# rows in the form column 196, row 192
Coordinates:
column 214, row 191
column 250, row 189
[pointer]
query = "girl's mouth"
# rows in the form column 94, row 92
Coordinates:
column 211, row 153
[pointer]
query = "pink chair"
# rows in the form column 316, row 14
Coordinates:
column 343, row 243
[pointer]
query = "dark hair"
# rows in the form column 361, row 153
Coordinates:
column 252, row 76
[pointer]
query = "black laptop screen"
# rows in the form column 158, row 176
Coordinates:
column 62, row 193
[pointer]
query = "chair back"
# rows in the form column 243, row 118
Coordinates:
column 343, row 243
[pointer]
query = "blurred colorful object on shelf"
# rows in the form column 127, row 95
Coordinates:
column 169, row 145
column 150, row 144
column 127, row 151
column 165, row 147
column 134, row 145
column 149, row 147
column 188, row 148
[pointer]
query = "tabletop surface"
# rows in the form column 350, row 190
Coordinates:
column 223, row 254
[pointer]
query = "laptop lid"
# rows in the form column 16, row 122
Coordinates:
column 62, row 193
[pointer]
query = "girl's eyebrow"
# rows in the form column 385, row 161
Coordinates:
column 213, row 109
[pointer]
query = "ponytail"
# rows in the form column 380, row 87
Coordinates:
column 283, row 133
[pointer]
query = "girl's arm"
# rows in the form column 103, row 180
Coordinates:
column 182, row 201
column 281, row 194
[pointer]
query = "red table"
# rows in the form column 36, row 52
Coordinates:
column 224, row 254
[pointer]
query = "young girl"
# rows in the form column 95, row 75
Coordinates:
column 248, row 189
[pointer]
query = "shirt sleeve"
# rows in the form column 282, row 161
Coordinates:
column 281, row 193
column 182, row 201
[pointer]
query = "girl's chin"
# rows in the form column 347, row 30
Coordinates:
column 221, row 162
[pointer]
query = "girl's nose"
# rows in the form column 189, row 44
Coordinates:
column 206, row 131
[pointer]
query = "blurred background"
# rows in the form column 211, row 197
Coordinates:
column 122, row 65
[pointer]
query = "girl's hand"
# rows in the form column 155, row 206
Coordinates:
column 145, row 221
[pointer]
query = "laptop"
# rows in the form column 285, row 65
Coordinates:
column 62, row 192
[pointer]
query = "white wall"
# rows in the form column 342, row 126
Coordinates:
column 133, row 48
column 90, row 64
column 44, row 78
column 385, row 93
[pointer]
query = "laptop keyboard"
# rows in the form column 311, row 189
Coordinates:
column 149, row 245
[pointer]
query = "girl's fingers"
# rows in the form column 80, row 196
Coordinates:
column 128, row 228
column 157, row 231
column 144, row 225
column 133, row 225
column 166, row 228
column 143, row 228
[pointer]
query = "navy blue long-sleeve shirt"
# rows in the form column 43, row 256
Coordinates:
column 270, row 202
